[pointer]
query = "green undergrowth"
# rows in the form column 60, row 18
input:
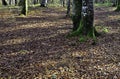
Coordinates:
column 103, row 29
column 103, row 4
column 80, row 33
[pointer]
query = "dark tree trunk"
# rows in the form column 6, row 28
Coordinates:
column 4, row 2
column 21, row 2
column 76, row 14
column 43, row 3
column 68, row 7
column 16, row 2
column 35, row 2
column 63, row 2
column 24, row 7
column 118, row 5
column 10, row 2
column 83, row 18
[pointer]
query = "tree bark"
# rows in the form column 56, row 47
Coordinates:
column 16, row 2
column 24, row 7
column 68, row 8
column 83, row 18
column 118, row 5
column 20, row 2
column 4, row 2
column 43, row 3
column 76, row 13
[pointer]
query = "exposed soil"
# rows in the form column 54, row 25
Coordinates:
column 36, row 47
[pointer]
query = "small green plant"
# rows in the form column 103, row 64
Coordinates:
column 82, row 39
column 105, row 30
column 23, row 52
column 22, row 15
column 54, row 76
column 102, row 29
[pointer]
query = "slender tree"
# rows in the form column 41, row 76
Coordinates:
column 24, row 7
column 114, row 3
column 63, row 2
column 4, row 2
column 68, row 8
column 35, row 2
column 16, row 2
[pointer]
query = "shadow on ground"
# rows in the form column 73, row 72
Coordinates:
column 38, row 47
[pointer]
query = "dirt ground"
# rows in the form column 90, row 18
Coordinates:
column 36, row 47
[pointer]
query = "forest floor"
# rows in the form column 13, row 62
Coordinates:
column 36, row 47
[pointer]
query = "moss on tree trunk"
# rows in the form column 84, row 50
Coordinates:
column 83, row 24
column 24, row 7
column 76, row 13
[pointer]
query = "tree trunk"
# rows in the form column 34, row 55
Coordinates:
column 4, row 2
column 35, row 2
column 68, row 8
column 24, row 7
column 83, row 17
column 118, row 5
column 16, row 2
column 21, row 3
column 114, row 3
column 43, row 3
column 76, row 13
column 63, row 3
column 10, row 2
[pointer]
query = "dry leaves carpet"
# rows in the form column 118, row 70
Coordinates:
column 36, row 47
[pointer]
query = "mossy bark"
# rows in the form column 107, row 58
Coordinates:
column 24, row 7
column 118, row 5
column 76, row 13
column 83, row 25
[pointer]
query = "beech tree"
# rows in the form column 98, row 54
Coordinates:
column 83, row 18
